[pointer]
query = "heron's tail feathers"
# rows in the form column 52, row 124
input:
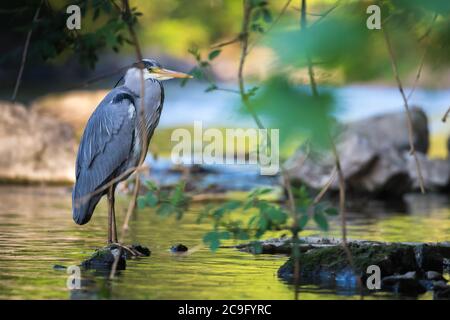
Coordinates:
column 83, row 205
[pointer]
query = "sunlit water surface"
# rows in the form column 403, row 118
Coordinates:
column 37, row 232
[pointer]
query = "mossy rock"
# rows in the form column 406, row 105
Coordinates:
column 103, row 260
column 332, row 261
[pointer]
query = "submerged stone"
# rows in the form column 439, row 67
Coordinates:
column 59, row 267
column 429, row 258
column 441, row 292
column 142, row 250
column 103, row 259
column 179, row 248
column 406, row 284
column 405, row 268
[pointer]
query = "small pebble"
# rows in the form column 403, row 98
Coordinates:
column 179, row 248
column 141, row 249
column 59, row 267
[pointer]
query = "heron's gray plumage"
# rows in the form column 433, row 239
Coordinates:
column 112, row 140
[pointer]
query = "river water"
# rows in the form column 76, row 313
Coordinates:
column 37, row 232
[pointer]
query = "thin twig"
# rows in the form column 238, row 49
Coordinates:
column 326, row 187
column 25, row 53
column 295, row 231
column 408, row 113
column 338, row 168
column 444, row 118
column 326, row 13
column 422, row 60
column 244, row 46
column 126, row 13
column 226, row 43
column 430, row 28
column 303, row 25
column 419, row 73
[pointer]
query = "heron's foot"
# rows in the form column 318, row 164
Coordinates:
column 130, row 251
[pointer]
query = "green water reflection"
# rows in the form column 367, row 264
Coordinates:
column 37, row 232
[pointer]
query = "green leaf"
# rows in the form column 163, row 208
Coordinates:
column 256, row 15
column 263, row 223
column 214, row 54
column 232, row 205
column 321, row 221
column 213, row 238
column 151, row 199
column 277, row 215
column 165, row 210
column 260, row 192
column 331, row 211
column 151, row 185
column 303, row 221
column 141, row 202
column 267, row 16
column 256, row 247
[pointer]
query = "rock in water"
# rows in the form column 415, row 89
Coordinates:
column 103, row 260
column 35, row 148
column 144, row 251
column 435, row 172
column 391, row 130
column 375, row 158
column 441, row 292
column 407, row 284
column 387, row 176
column 405, row 268
column 179, row 248
column 429, row 258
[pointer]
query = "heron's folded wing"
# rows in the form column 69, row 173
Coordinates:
column 106, row 142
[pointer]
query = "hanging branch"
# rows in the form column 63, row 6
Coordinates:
column 422, row 60
column 25, row 53
column 247, row 8
column 412, row 150
column 303, row 25
column 226, row 43
column 338, row 167
column 325, row 188
column 444, row 118
column 244, row 46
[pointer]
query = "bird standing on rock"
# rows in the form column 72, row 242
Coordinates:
column 116, row 138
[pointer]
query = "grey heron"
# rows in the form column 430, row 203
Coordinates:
column 113, row 141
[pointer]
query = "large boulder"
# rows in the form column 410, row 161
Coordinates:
column 35, row 148
column 391, row 130
column 73, row 107
column 375, row 158
column 388, row 175
column 435, row 172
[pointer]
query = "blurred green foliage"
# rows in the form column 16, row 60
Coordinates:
column 166, row 202
column 102, row 27
column 245, row 219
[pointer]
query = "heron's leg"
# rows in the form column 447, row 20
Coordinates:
column 114, row 227
column 110, row 214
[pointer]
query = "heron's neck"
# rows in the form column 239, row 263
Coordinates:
column 133, row 80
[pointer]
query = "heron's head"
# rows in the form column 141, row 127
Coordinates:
column 154, row 70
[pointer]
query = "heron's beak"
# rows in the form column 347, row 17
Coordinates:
column 166, row 73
